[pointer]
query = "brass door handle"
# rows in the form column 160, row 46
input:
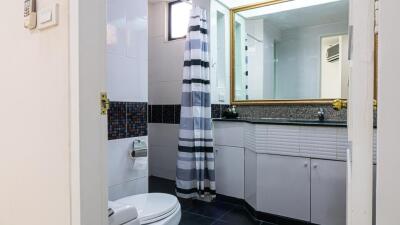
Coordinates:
column 339, row 104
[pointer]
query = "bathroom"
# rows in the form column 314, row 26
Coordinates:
column 199, row 112
column 287, row 73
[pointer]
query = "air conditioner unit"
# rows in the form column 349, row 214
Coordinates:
column 332, row 53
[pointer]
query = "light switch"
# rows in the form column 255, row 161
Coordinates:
column 48, row 17
column 45, row 17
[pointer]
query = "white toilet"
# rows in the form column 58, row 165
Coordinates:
column 151, row 209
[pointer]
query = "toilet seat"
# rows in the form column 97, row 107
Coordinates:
column 152, row 207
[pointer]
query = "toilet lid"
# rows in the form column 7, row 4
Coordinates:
column 152, row 207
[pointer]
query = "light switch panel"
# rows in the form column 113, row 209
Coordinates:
column 48, row 17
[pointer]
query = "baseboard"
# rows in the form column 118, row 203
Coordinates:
column 267, row 217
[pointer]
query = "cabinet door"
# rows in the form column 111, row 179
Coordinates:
column 328, row 192
column 284, row 186
column 229, row 171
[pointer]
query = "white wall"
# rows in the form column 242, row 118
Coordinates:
column 88, row 128
column 165, row 59
column 219, row 53
column 388, row 183
column 34, row 117
column 298, row 54
column 127, row 81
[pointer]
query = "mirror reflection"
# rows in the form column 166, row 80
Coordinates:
column 292, row 51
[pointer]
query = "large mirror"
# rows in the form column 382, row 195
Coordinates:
column 290, row 51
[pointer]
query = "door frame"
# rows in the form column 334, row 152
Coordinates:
column 388, row 184
column 360, row 113
column 88, row 133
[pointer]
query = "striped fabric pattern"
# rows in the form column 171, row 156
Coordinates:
column 195, row 176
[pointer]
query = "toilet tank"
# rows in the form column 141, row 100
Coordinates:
column 122, row 214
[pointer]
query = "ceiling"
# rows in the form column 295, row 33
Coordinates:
column 236, row 3
column 310, row 16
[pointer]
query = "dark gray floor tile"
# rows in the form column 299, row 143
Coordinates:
column 186, row 204
column 239, row 216
column 217, row 222
column 266, row 223
column 160, row 185
column 195, row 212
column 214, row 210
column 193, row 219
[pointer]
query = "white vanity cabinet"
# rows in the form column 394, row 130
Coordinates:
column 292, row 171
column 284, row 186
column 328, row 192
column 229, row 171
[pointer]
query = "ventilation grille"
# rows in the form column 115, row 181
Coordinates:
column 332, row 53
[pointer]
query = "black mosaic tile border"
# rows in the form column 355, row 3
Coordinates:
column 171, row 114
column 291, row 112
column 127, row 119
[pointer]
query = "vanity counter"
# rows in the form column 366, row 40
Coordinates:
column 278, row 121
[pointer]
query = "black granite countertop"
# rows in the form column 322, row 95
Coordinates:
column 282, row 121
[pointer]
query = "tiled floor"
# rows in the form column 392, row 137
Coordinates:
column 196, row 212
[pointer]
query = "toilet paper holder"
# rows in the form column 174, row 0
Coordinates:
column 139, row 149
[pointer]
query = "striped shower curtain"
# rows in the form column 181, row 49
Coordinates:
column 195, row 177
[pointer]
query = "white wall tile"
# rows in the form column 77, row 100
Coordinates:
column 164, row 93
column 126, row 78
column 163, row 134
column 134, row 187
column 166, row 60
column 157, row 13
column 116, row 27
column 163, row 149
column 121, row 168
column 137, row 29
column 127, row 47
column 163, row 161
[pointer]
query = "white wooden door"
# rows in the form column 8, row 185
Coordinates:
column 87, row 34
column 360, row 113
column 388, row 182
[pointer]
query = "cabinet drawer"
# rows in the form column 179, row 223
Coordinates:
column 229, row 134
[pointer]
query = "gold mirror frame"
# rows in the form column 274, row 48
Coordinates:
column 233, row 101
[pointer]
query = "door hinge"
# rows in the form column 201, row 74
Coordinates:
column 104, row 103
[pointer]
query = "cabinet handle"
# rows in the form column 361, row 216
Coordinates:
column 315, row 166
column 305, row 164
